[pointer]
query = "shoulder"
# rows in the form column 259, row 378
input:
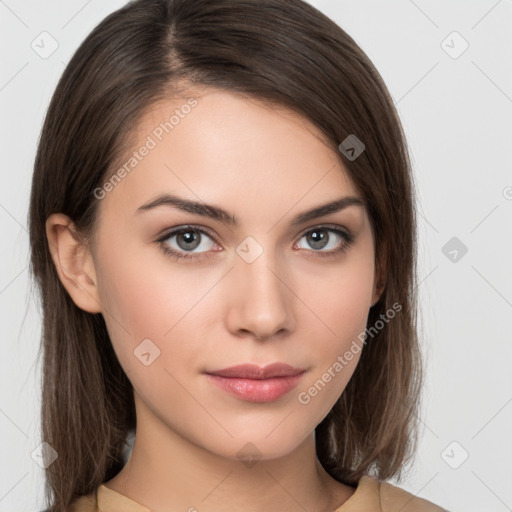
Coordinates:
column 84, row 504
column 392, row 497
column 374, row 495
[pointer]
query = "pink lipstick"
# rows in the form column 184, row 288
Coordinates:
column 252, row 383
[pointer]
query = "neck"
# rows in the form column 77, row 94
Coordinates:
column 168, row 472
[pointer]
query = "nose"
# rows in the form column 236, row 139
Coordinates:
column 261, row 302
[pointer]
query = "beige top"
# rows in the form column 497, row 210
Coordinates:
column 371, row 495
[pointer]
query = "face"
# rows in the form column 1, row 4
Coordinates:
column 271, row 287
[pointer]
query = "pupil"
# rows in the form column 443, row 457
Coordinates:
column 189, row 238
column 317, row 239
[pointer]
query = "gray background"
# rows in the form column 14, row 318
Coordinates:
column 457, row 113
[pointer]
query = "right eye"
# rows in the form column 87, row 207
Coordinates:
column 186, row 239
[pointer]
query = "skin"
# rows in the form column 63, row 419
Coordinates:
column 265, row 165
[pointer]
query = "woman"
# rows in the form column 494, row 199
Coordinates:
column 222, row 229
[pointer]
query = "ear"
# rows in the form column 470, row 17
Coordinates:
column 73, row 262
column 379, row 282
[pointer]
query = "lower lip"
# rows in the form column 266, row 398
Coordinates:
column 254, row 390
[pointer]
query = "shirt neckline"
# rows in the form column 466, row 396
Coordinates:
column 365, row 497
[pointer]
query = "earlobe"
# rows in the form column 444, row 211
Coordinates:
column 73, row 262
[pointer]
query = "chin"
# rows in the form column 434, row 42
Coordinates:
column 254, row 447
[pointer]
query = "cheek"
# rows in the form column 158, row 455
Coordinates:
column 340, row 298
column 166, row 313
column 344, row 305
column 339, row 301
column 146, row 297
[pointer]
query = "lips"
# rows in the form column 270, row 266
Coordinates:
column 251, row 371
column 252, row 383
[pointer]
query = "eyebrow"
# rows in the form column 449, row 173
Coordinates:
column 216, row 213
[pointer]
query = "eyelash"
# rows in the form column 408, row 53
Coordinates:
column 178, row 255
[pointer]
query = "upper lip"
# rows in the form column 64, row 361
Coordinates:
column 252, row 371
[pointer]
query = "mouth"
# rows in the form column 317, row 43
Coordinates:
column 255, row 384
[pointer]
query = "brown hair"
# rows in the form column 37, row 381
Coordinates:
column 286, row 53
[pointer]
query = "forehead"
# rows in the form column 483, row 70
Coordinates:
column 219, row 146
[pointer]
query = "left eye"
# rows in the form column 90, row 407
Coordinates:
column 321, row 238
